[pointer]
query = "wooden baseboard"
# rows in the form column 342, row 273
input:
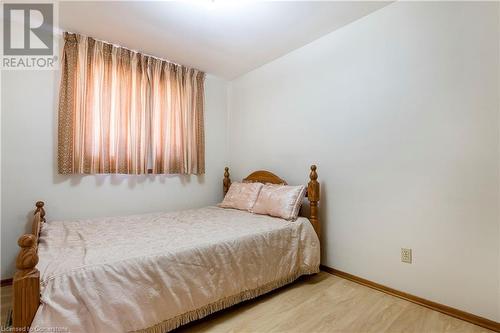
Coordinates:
column 466, row 316
column 469, row 317
column 6, row 282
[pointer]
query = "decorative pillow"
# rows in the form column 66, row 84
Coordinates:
column 241, row 196
column 280, row 200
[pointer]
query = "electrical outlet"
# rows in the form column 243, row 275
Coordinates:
column 406, row 255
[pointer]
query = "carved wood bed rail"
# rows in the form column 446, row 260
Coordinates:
column 263, row 176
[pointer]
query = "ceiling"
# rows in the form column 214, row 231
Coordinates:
column 224, row 38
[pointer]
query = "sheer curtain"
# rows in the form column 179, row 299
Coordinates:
column 124, row 112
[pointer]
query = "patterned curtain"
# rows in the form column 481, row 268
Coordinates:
column 124, row 112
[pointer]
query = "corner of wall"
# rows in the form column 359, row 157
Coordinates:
column 229, row 90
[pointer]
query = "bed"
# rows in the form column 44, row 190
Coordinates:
column 163, row 269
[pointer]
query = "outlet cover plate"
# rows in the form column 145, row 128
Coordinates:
column 406, row 255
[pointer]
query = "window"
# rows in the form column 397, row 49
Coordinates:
column 124, row 112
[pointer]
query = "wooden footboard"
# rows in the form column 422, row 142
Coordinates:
column 26, row 284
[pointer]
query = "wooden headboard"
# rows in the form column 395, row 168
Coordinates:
column 265, row 177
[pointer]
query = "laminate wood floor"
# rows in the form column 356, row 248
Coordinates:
column 320, row 303
column 6, row 305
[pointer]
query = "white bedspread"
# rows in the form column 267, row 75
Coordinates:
column 157, row 271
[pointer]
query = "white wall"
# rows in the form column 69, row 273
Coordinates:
column 400, row 111
column 29, row 172
column 498, row 119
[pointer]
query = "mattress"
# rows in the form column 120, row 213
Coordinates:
column 154, row 272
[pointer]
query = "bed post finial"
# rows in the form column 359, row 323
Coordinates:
column 39, row 208
column 227, row 181
column 313, row 196
column 27, row 257
column 26, row 284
